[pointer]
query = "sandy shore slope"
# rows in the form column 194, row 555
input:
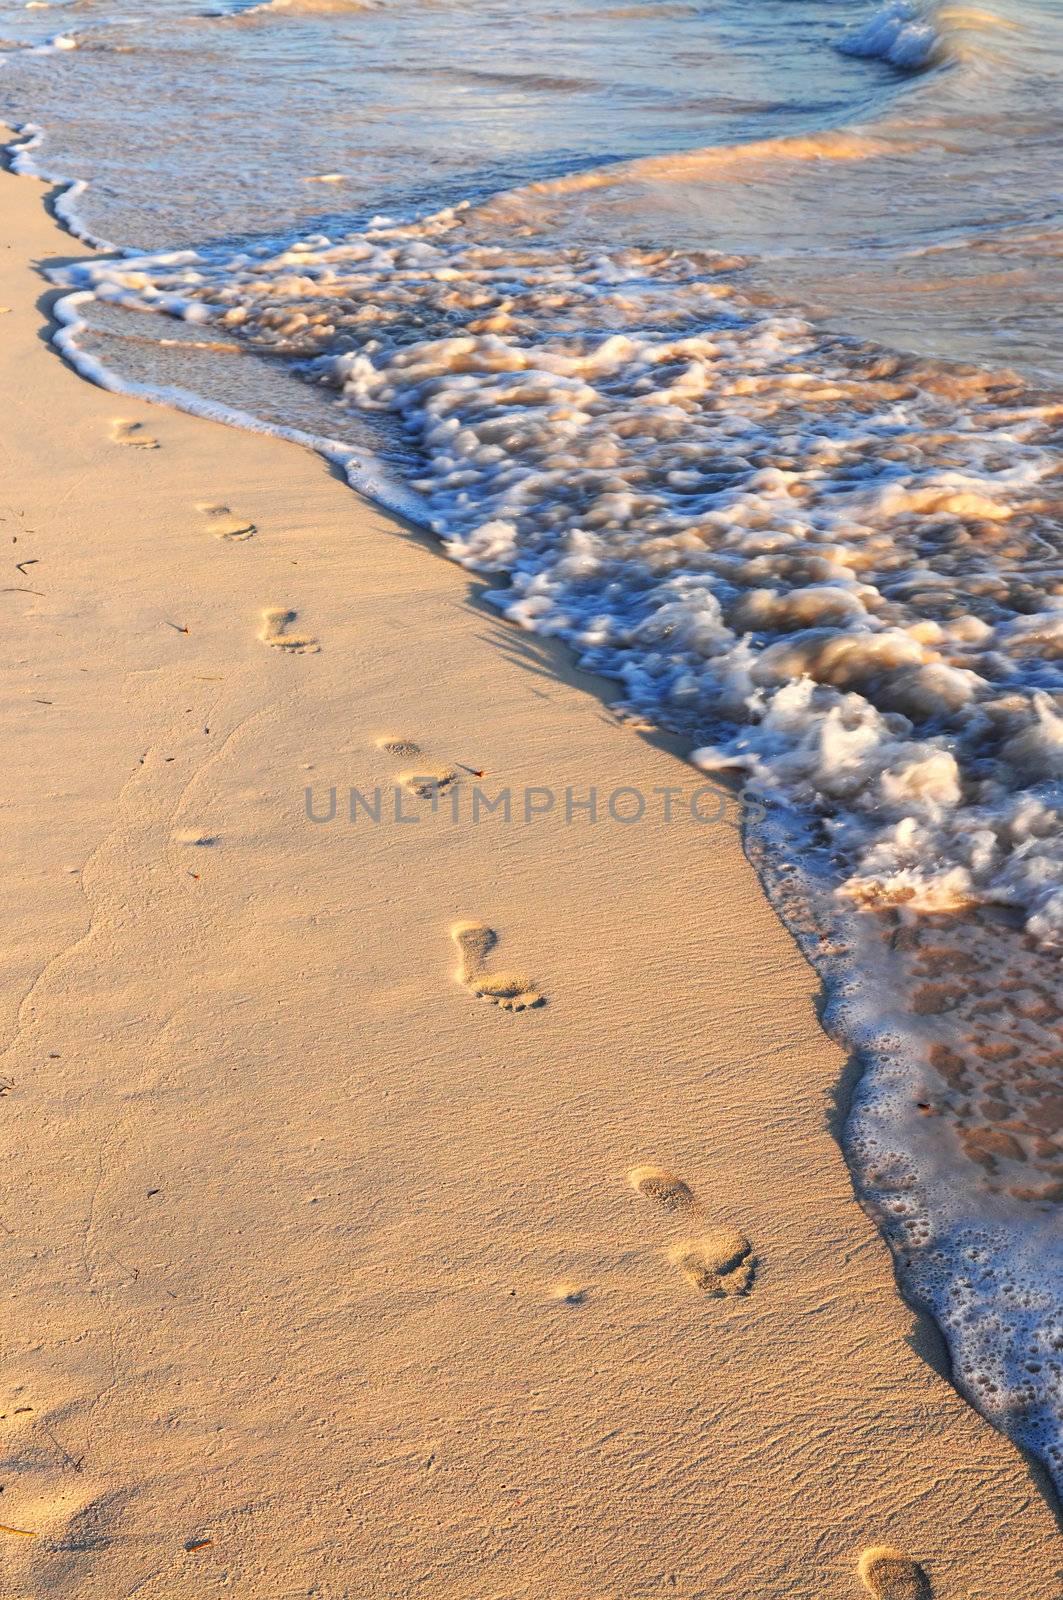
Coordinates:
column 324, row 1277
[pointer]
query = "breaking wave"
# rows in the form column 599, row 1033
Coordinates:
column 901, row 33
column 911, row 35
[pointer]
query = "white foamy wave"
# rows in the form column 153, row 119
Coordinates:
column 55, row 45
column 20, row 151
column 22, row 154
column 900, row 32
column 362, row 470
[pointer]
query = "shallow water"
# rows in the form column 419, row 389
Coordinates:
column 724, row 338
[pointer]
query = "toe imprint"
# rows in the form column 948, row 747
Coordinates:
column 275, row 622
column 399, row 747
column 510, row 990
column 889, row 1574
column 662, row 1187
column 720, row 1263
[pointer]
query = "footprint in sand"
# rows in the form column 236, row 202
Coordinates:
column 427, row 782
column 510, row 990
column 569, row 1294
column 720, row 1263
column 276, row 620
column 889, row 1574
column 125, row 432
column 663, row 1188
column 429, row 785
column 223, row 525
column 42, row 1506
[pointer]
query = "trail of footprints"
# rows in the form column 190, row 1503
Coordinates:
column 276, row 630
column 511, row 991
column 718, row 1261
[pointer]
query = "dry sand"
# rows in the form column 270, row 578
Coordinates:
column 324, row 1276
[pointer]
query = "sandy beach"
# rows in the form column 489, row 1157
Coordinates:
column 326, row 1274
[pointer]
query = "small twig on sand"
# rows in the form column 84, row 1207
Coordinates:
column 75, row 1463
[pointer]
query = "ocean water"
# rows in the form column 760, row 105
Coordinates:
column 722, row 336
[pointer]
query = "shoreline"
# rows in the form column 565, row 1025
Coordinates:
column 628, row 1401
